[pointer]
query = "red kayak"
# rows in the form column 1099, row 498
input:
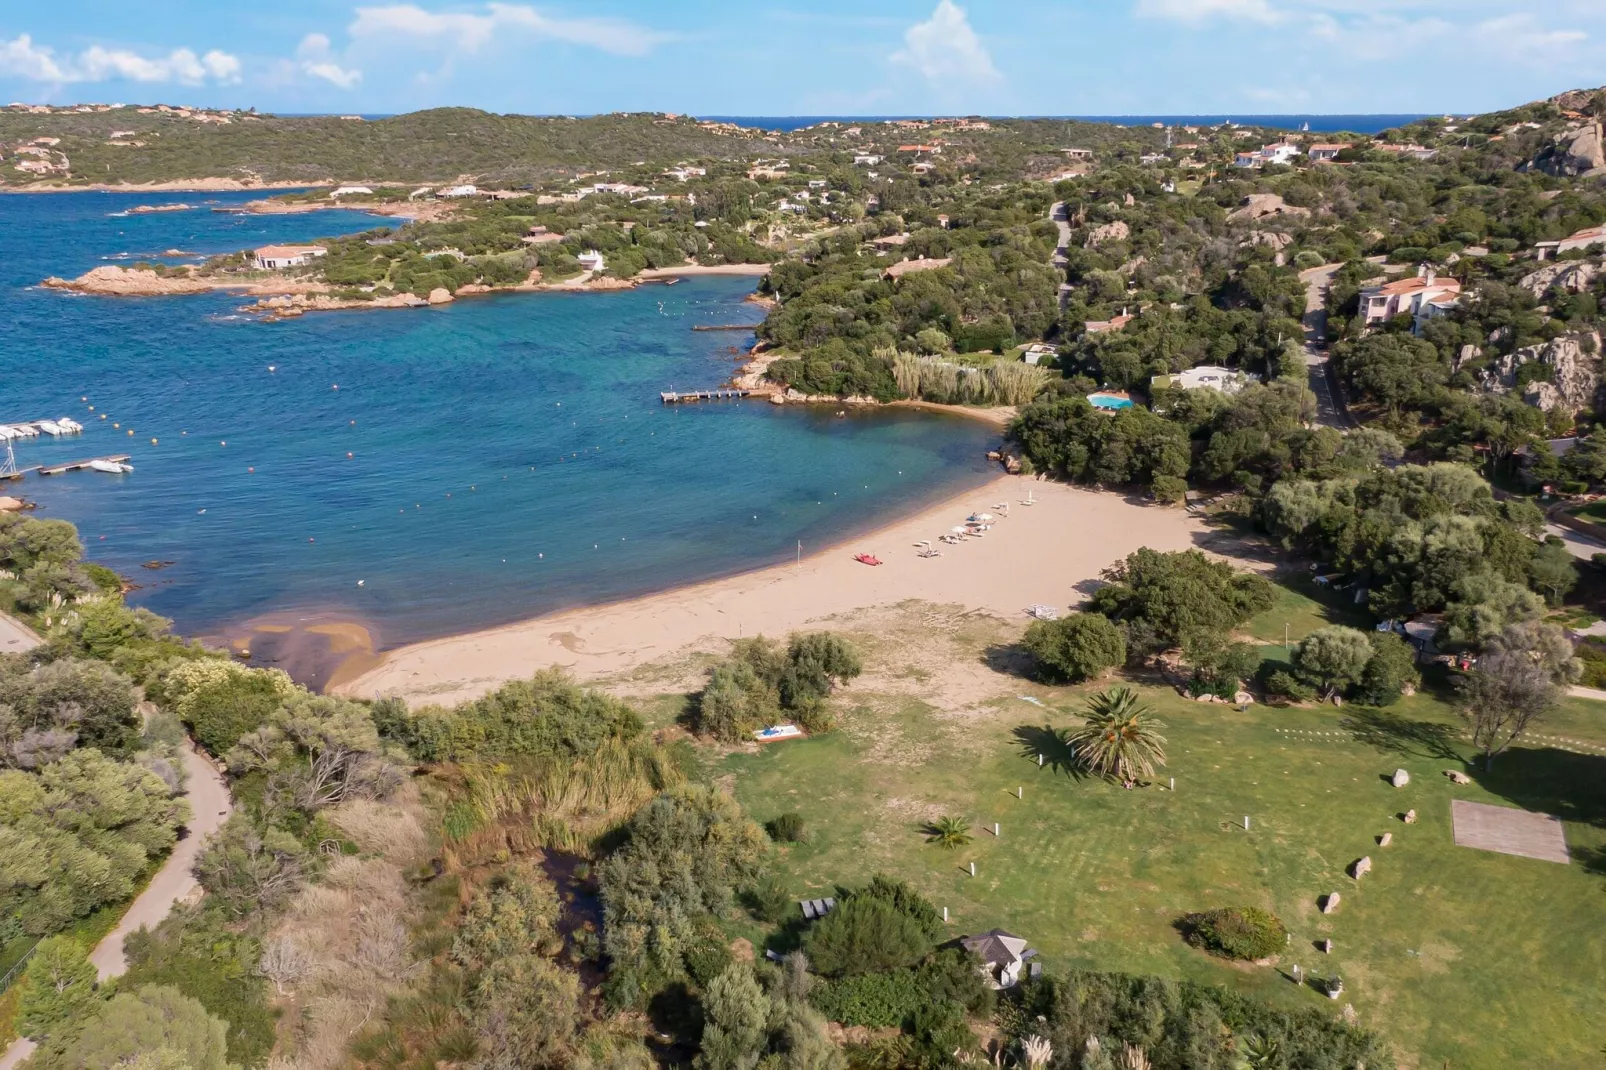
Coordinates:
column 868, row 559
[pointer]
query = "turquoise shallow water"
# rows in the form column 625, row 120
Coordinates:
column 509, row 455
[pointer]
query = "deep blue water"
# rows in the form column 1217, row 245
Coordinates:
column 1358, row 124
column 508, row 455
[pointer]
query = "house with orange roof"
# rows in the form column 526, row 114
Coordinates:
column 1422, row 296
column 1583, row 239
column 275, row 257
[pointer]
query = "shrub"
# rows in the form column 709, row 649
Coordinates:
column 1391, row 669
column 788, row 828
column 1243, row 933
column 882, row 926
column 760, row 680
column 1284, row 683
column 1078, row 647
column 875, row 1000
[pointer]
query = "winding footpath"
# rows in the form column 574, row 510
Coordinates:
column 210, row 806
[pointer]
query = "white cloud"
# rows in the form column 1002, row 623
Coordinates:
column 316, row 60
column 945, row 49
column 21, row 58
column 463, row 31
column 1200, row 10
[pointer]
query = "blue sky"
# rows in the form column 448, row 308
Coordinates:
column 791, row 57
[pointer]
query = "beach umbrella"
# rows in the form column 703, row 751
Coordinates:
column 958, row 529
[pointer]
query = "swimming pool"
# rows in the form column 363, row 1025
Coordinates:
column 1110, row 401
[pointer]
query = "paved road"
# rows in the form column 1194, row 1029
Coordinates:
column 1587, row 692
column 1060, row 215
column 15, row 636
column 1581, row 546
column 1330, row 409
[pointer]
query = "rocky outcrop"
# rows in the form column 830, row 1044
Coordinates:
column 1580, row 150
column 440, row 295
column 1573, row 373
column 1273, row 240
column 1259, row 206
column 129, row 282
column 289, row 305
column 1116, row 231
column 1568, row 276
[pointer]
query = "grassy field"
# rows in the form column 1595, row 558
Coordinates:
column 1463, row 958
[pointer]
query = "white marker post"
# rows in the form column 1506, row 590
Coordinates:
column 945, row 921
column 1246, row 823
column 1019, row 793
column 1173, row 783
column 995, row 830
column 973, row 869
column 1039, row 761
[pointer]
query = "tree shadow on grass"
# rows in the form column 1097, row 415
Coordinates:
column 1548, row 780
column 1394, row 734
column 1052, row 744
column 1010, row 659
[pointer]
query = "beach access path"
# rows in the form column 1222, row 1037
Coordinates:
column 1050, row 553
column 15, row 636
column 210, row 805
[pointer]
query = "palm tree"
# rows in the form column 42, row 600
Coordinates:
column 949, row 832
column 1119, row 739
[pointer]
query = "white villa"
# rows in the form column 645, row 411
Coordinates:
column 458, row 191
column 591, row 260
column 351, row 191
column 275, row 257
column 1226, row 380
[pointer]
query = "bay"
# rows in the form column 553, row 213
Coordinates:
column 424, row 472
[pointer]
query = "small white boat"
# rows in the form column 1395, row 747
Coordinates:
column 69, row 426
column 50, row 427
column 8, row 433
column 115, row 468
column 24, row 431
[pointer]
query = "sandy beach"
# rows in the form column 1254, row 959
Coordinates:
column 1037, row 554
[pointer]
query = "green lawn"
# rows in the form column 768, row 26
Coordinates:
column 1480, row 959
column 1595, row 511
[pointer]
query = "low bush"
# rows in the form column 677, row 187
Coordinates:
column 1076, row 648
column 874, row 1000
column 195, row 952
column 788, row 828
column 1242, row 933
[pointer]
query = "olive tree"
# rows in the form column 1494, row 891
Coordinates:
column 1333, row 659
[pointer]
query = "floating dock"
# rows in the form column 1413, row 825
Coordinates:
column 59, row 469
column 671, row 397
column 726, row 327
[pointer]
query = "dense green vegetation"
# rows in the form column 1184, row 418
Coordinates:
column 553, row 876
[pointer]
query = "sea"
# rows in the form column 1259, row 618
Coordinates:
column 420, row 472
column 1324, row 124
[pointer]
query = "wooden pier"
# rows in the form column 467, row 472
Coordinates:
column 59, row 469
column 671, row 397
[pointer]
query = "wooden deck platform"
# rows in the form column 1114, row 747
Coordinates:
column 671, row 397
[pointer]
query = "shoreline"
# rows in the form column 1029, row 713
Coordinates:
column 1025, row 559
column 311, row 295
column 184, row 185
